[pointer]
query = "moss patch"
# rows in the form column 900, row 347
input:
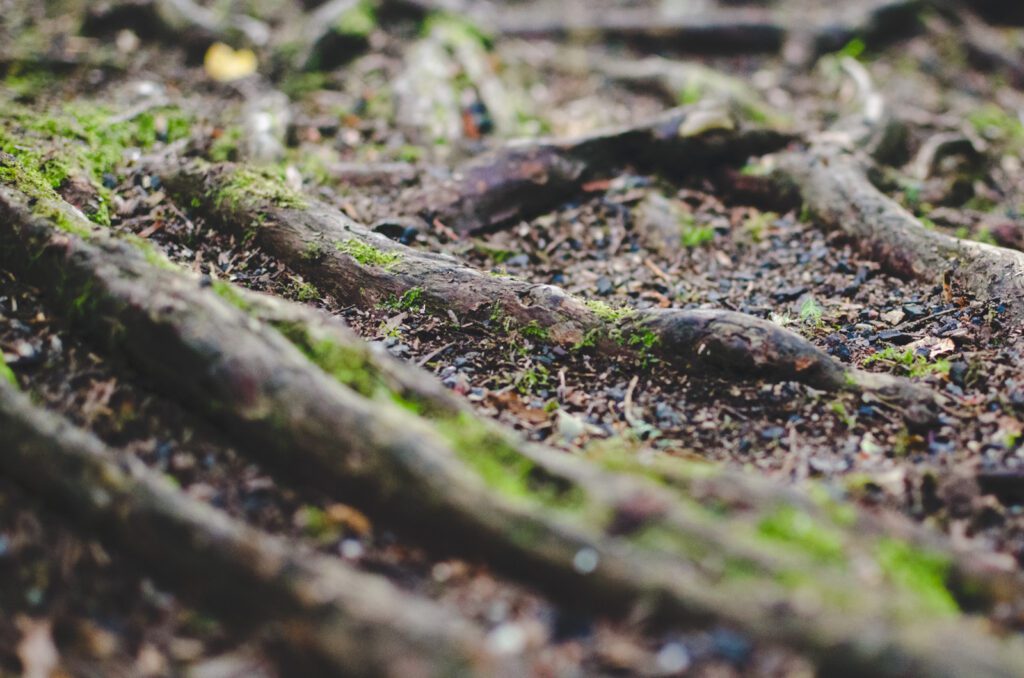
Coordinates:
column 6, row 374
column 454, row 29
column 368, row 255
column 503, row 468
column 534, row 331
column 795, row 528
column 249, row 188
column 607, row 313
column 412, row 299
column 908, row 362
column 922, row 572
column 359, row 20
column 43, row 199
column 85, row 140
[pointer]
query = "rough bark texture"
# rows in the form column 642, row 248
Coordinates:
column 367, row 268
column 742, row 493
column 325, row 616
column 741, row 30
column 559, row 525
column 521, row 181
column 836, row 188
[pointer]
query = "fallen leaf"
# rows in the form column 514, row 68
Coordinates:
column 941, row 348
column 38, row 654
column 224, row 64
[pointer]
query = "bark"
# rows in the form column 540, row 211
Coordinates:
column 317, row 241
column 521, row 181
column 836, row 189
column 322, row 614
column 583, row 543
column 719, row 31
column 741, row 493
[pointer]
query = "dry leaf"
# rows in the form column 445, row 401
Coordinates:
column 38, row 654
column 224, row 64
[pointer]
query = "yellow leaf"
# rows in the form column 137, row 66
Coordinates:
column 224, row 64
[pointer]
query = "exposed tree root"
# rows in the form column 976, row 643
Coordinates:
column 323, row 615
column 366, row 268
column 836, row 188
column 520, row 181
column 581, row 534
column 384, row 376
column 719, row 31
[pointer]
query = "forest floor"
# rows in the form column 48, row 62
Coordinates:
column 358, row 137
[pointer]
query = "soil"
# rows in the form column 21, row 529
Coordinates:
column 964, row 476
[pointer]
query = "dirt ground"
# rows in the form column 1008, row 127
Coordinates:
column 346, row 135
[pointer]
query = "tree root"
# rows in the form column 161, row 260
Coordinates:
column 521, row 181
column 594, row 539
column 386, row 377
column 315, row 610
column 836, row 189
column 719, row 31
column 365, row 268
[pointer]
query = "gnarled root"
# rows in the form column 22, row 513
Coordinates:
column 320, row 613
column 836, row 189
column 585, row 536
column 366, row 268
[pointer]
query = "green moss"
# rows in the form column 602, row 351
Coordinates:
column 589, row 339
column 692, row 236
column 533, row 378
column 249, row 188
column 811, row 312
column 154, row 256
column 6, row 374
column 298, row 84
column 841, row 513
column 660, row 538
column 795, row 528
column 641, row 339
column 43, row 199
column 534, row 331
column 909, row 362
column 644, row 339
column 87, row 137
column 995, row 123
column 84, row 140
column 304, row 291
column 313, row 251
column 346, row 364
column 692, row 93
column 497, row 255
column 504, row 469
column 608, row 313
column 853, row 49
column 225, row 147
column 410, row 300
column 229, row 293
column 27, row 81
column 368, row 255
column 756, row 224
column 456, row 29
column 409, row 153
column 360, row 20
column 922, row 572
